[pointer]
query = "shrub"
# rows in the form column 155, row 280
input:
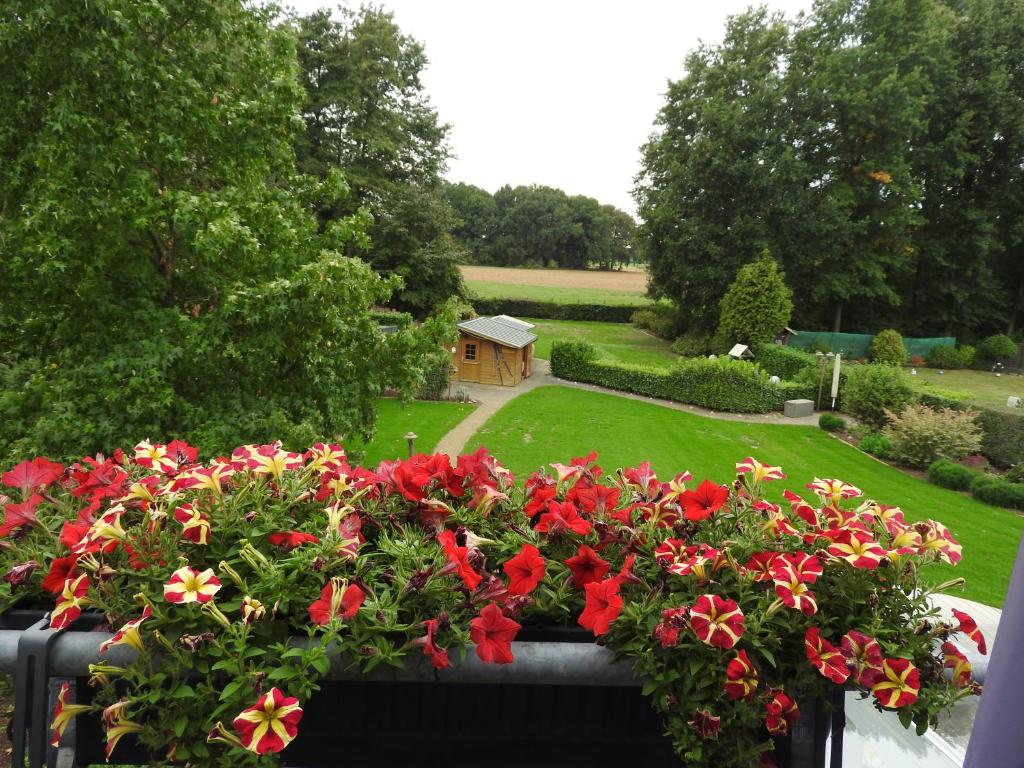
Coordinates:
column 870, row 390
column 570, row 358
column 551, row 310
column 830, row 422
column 691, row 345
column 969, row 355
column 998, row 492
column 785, row 362
column 437, row 371
column 915, row 360
column 660, row 319
column 949, row 474
column 1015, row 474
column 947, row 357
column 1002, row 439
column 877, row 444
column 997, row 347
column 757, row 305
column 920, row 435
column 887, row 348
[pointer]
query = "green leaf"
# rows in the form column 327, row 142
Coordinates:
column 183, row 691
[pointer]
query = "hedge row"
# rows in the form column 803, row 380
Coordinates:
column 551, row 310
column 785, row 362
column 987, row 488
column 720, row 385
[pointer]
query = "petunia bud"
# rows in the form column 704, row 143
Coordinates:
column 224, row 736
column 252, row 610
column 210, row 609
column 516, row 604
column 195, row 642
column 318, row 563
column 19, row 573
column 232, row 574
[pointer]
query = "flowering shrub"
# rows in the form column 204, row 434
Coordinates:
column 920, row 435
column 733, row 609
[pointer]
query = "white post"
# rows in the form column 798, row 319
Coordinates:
column 835, row 380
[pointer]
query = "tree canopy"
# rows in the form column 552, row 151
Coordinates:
column 164, row 272
column 875, row 147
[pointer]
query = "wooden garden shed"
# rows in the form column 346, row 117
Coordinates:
column 494, row 350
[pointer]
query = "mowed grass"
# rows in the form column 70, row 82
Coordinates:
column 986, row 388
column 620, row 342
column 558, row 423
column 559, row 294
column 429, row 420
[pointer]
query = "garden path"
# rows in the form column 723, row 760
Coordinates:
column 491, row 397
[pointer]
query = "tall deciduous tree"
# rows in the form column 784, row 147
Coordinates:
column 164, row 272
column 367, row 112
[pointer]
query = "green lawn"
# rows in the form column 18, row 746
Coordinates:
column 620, row 342
column 559, row 294
column 429, row 420
column 988, row 389
column 557, row 423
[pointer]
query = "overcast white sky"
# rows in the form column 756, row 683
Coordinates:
column 561, row 92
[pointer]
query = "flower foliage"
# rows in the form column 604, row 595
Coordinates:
column 735, row 610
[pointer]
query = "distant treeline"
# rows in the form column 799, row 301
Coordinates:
column 540, row 226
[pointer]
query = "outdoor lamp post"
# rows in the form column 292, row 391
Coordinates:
column 410, row 438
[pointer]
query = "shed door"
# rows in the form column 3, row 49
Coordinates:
column 470, row 362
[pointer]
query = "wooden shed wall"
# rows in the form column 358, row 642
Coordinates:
column 489, row 355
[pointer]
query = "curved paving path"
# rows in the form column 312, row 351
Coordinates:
column 492, row 397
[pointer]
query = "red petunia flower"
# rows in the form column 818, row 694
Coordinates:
column 898, row 684
column 493, row 633
column 72, row 533
column 587, row 567
column 438, row 656
column 863, row 656
column 970, row 628
column 700, row 561
column 740, row 677
column 32, row 475
column 524, row 571
column 702, row 502
column 781, row 712
column 562, row 516
column 338, row 599
column 955, row 661
column 759, row 566
column 195, row 524
column 705, row 724
column 673, row 621
column 793, row 592
column 603, row 606
column 61, row 569
column 292, row 539
column 458, row 560
column 597, row 499
column 716, row 621
column 187, row 585
column 824, row 656
column 69, row 603
column 20, row 515
column 539, row 499
column 807, row 568
column 856, row 548
column 269, row 725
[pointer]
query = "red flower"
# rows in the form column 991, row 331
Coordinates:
column 898, row 684
column 587, row 567
column 69, row 603
column 970, row 628
column 292, row 539
column 20, row 515
column 596, row 499
column 699, row 561
column 337, row 599
column 955, row 661
column 716, row 621
column 863, row 657
column 760, row 566
column 493, row 633
column 33, row 475
column 824, row 656
column 269, row 725
column 72, row 533
column 562, row 517
column 438, row 656
column 61, row 569
column 858, row 549
column 702, row 502
column 524, row 571
column 706, row 724
column 793, row 592
column 807, row 568
column 603, row 606
column 673, row 620
column 458, row 560
column 781, row 713
column 539, row 499
column 740, row 677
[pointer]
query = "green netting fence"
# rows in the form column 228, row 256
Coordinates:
column 857, row 345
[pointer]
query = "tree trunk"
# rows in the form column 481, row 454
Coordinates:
column 836, row 324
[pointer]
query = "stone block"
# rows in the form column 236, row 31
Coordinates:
column 794, row 409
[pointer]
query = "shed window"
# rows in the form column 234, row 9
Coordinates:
column 470, row 352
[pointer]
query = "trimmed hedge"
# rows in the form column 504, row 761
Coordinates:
column 786, row 362
column 721, row 384
column 940, row 397
column 998, row 492
column 949, row 474
column 550, row 310
column 1002, row 440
